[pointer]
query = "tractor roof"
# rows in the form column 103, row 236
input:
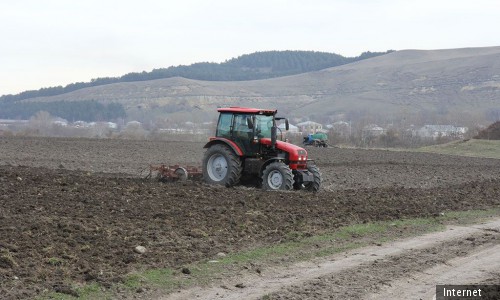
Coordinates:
column 247, row 110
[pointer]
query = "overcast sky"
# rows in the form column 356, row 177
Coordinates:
column 57, row 42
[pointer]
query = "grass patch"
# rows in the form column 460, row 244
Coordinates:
column 88, row 291
column 297, row 248
column 469, row 217
column 471, row 148
column 54, row 261
column 154, row 277
column 133, row 281
column 361, row 235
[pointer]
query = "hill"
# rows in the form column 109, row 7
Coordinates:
column 414, row 86
column 490, row 133
column 258, row 65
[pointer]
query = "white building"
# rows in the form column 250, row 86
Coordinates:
column 309, row 127
column 60, row 122
column 112, row 125
column 291, row 128
column 436, row 131
column 341, row 128
column 372, row 130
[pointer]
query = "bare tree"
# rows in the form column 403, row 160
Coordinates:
column 41, row 123
column 134, row 130
column 100, row 130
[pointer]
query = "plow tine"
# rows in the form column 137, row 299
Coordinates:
column 174, row 172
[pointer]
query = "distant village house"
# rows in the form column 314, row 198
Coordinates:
column 291, row 128
column 437, row 131
column 310, row 127
column 372, row 130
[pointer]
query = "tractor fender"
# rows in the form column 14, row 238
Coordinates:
column 269, row 161
column 229, row 143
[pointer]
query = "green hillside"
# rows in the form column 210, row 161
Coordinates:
column 472, row 148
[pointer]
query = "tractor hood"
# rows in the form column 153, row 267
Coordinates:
column 295, row 152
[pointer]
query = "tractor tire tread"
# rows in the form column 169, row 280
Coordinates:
column 234, row 165
column 285, row 171
column 315, row 185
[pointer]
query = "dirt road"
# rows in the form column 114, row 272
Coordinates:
column 407, row 269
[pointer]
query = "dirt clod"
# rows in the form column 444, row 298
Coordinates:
column 7, row 262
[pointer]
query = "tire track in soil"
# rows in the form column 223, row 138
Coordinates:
column 367, row 271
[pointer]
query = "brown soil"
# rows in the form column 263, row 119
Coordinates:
column 59, row 224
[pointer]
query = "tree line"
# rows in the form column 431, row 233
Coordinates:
column 258, row 65
column 87, row 110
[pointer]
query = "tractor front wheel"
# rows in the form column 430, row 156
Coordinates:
column 277, row 176
column 221, row 166
column 316, row 183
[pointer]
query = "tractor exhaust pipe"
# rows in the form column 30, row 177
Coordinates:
column 273, row 136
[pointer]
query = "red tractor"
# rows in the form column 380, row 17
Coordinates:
column 245, row 144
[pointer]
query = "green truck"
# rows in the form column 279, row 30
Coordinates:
column 318, row 139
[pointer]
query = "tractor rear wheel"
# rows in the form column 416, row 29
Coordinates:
column 221, row 166
column 277, row 176
column 316, row 183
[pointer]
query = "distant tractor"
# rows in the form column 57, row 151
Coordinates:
column 318, row 139
column 246, row 144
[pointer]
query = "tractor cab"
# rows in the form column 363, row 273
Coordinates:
column 247, row 127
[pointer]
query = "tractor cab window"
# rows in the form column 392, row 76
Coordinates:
column 241, row 128
column 263, row 126
column 224, row 126
column 243, row 132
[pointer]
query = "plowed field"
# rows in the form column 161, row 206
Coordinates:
column 73, row 210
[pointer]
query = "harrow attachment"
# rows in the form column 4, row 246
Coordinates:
column 173, row 173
